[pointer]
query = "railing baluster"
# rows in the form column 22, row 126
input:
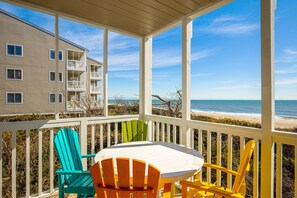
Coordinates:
column 40, row 162
column 219, row 153
column 174, row 134
column 200, row 147
column 153, row 130
column 27, row 162
column 229, row 162
column 168, row 132
column 1, row 163
column 192, row 138
column 279, row 171
column 163, row 132
column 108, row 134
column 93, row 139
column 256, row 170
column 116, row 133
column 101, row 136
column 51, row 160
column 242, row 146
column 295, row 171
column 209, row 155
column 158, row 132
column 13, row 164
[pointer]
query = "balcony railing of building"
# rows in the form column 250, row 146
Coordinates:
column 214, row 141
column 96, row 75
column 73, row 106
column 77, row 85
column 76, row 65
column 94, row 89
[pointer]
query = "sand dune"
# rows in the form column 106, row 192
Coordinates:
column 279, row 121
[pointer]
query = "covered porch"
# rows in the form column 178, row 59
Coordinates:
column 212, row 139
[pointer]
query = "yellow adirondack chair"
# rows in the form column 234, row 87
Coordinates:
column 110, row 185
column 134, row 130
column 205, row 189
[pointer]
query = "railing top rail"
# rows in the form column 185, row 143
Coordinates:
column 289, row 138
column 67, row 122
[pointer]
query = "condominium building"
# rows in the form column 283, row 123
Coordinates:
column 28, row 66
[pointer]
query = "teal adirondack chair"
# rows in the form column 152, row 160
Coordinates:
column 134, row 130
column 71, row 177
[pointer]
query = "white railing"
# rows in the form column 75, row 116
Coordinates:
column 103, row 132
column 96, row 75
column 217, row 143
column 209, row 137
column 73, row 84
column 96, row 89
column 76, row 64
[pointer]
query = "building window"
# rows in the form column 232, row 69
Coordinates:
column 52, row 98
column 14, row 50
column 14, row 98
column 60, row 98
column 52, row 76
column 14, row 74
column 52, row 55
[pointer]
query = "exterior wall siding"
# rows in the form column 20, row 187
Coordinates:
column 35, row 64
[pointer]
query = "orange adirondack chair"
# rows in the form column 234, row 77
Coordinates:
column 109, row 184
column 205, row 189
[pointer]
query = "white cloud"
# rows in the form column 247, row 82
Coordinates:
column 200, row 74
column 288, row 81
column 228, row 25
column 288, row 56
column 225, row 18
column 236, row 29
column 168, row 58
column 235, row 87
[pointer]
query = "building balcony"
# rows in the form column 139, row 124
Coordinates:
column 203, row 137
column 76, row 65
column 73, row 106
column 95, row 76
column 75, row 86
column 95, row 90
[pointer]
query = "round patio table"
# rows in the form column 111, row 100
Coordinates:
column 174, row 161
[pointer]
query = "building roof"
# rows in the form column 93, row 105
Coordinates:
column 42, row 29
column 134, row 17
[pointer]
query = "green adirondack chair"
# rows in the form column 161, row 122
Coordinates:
column 71, row 176
column 134, row 130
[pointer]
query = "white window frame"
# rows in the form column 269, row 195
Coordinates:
column 49, row 98
column 49, row 54
column 49, row 76
column 6, row 73
column 8, row 103
column 14, row 54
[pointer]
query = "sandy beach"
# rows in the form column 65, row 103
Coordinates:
column 279, row 121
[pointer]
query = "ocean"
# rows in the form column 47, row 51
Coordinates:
column 283, row 108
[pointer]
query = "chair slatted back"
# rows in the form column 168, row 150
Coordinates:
column 68, row 149
column 106, row 185
column 243, row 166
column 134, row 130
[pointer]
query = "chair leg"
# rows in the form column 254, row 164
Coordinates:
column 61, row 186
column 184, row 191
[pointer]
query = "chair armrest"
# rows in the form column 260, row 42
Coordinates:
column 220, row 168
column 213, row 189
column 72, row 172
column 88, row 155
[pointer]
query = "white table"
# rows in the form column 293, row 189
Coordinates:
column 175, row 162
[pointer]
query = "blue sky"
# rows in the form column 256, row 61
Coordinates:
column 225, row 52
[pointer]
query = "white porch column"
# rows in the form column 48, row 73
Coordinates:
column 57, row 66
column 186, row 79
column 267, row 61
column 105, row 73
column 145, row 81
